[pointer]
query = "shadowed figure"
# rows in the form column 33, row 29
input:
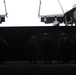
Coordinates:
column 3, row 48
column 32, row 47
column 46, row 46
column 74, row 45
column 62, row 44
column 69, row 48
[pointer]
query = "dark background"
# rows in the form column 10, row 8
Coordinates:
column 18, row 37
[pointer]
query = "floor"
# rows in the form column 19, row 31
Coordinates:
column 40, row 68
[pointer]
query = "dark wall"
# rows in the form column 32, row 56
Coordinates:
column 18, row 37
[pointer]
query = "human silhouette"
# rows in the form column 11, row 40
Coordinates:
column 62, row 42
column 32, row 47
column 46, row 46
column 3, row 48
column 74, row 45
column 69, row 48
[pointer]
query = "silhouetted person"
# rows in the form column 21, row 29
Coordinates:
column 3, row 48
column 32, row 46
column 62, row 47
column 46, row 45
column 74, row 45
column 69, row 48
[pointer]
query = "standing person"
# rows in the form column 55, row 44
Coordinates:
column 69, row 48
column 62, row 47
column 3, row 48
column 46, row 45
column 74, row 45
column 32, row 46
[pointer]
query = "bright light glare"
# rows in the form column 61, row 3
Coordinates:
column 25, row 12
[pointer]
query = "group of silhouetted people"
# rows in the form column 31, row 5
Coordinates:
column 66, row 48
column 46, row 46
